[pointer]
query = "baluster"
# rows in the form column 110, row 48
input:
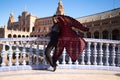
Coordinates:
column 24, row 53
column 37, row 53
column 17, row 54
column 83, row 55
column 88, row 53
column 64, row 53
column 70, row 61
column 101, row 54
column 44, row 46
column 118, row 55
column 76, row 62
column 107, row 54
column 31, row 53
column 3, row 54
column 10, row 54
column 95, row 54
column 113, row 55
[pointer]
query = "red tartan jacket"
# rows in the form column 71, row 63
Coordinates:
column 69, row 39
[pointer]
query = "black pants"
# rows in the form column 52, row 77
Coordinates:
column 53, row 42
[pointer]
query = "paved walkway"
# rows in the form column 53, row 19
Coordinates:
column 60, row 74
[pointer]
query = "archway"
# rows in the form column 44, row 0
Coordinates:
column 14, row 36
column 23, row 36
column 105, row 34
column 89, row 35
column 96, row 34
column 115, row 34
column 19, row 36
column 9, row 35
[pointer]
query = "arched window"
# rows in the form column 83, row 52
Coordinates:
column 115, row 34
column 14, row 36
column 23, row 36
column 88, row 35
column 105, row 34
column 19, row 36
column 96, row 34
column 9, row 35
column 27, row 36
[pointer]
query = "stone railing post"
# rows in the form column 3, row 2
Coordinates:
column 10, row 54
column 64, row 53
column 88, row 53
column 17, row 54
column 107, row 54
column 95, row 54
column 24, row 53
column 83, row 55
column 31, row 53
column 44, row 47
column 113, row 54
column 3, row 54
column 101, row 54
column 37, row 53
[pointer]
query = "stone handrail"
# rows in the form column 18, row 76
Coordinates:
column 28, row 53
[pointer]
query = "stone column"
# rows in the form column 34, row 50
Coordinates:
column 110, row 34
column 100, row 35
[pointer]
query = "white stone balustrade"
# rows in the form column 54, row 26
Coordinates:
column 29, row 54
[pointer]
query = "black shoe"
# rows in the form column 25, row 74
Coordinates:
column 54, row 67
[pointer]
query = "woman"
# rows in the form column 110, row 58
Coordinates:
column 55, row 31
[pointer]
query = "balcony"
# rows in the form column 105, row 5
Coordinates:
column 28, row 54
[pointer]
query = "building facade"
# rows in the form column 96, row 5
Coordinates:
column 105, row 25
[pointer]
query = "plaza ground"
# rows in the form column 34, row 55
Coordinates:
column 60, row 74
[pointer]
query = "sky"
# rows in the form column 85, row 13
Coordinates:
column 45, row 8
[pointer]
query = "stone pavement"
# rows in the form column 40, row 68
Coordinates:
column 60, row 74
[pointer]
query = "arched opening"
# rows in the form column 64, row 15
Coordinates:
column 23, row 36
column 115, row 34
column 27, row 36
column 14, row 36
column 89, row 35
column 19, row 36
column 96, row 34
column 105, row 34
column 9, row 35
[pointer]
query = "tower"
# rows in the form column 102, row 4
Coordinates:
column 60, row 9
column 11, row 19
